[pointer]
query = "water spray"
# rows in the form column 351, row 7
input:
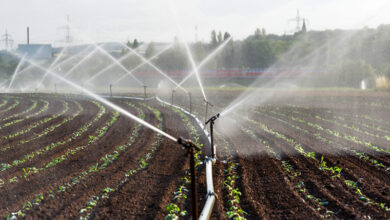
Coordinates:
column 154, row 66
column 192, row 149
column 104, row 101
column 141, row 64
column 128, row 73
column 51, row 65
column 207, row 59
column 16, row 71
column 58, row 65
column 211, row 121
column 188, row 50
column 80, row 62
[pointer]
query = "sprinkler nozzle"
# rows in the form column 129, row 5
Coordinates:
column 212, row 119
column 208, row 103
column 188, row 144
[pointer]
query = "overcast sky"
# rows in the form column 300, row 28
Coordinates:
column 152, row 20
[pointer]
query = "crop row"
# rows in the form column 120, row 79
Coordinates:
column 231, row 176
column 3, row 102
column 294, row 177
column 32, row 107
column 16, row 103
column 354, row 128
column 105, row 161
column 53, row 145
column 334, row 171
column 342, row 118
column 317, row 136
column 143, row 162
column 11, row 123
column 174, row 208
column 350, row 138
column 34, row 125
column 50, row 129
column 27, row 171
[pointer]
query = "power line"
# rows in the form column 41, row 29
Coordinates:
column 7, row 40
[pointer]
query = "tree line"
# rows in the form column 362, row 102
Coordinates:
column 348, row 56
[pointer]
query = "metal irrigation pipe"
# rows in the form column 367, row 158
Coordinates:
column 211, row 196
column 189, row 94
column 173, row 91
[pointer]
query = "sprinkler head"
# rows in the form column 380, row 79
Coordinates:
column 208, row 103
column 212, row 119
column 188, row 144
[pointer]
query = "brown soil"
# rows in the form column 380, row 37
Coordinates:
column 268, row 192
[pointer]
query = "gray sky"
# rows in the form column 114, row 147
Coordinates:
column 152, row 20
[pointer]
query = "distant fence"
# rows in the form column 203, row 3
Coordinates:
column 237, row 73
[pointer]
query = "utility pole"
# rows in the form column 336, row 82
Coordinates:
column 7, row 40
column 298, row 20
column 196, row 34
column 67, row 37
column 28, row 35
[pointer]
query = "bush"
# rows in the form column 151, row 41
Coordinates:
column 350, row 73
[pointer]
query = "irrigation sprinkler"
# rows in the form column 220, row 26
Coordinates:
column 192, row 149
column 173, row 91
column 145, row 91
column 110, row 90
column 55, row 88
column 212, row 121
column 189, row 95
column 207, row 108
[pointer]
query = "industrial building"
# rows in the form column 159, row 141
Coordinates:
column 35, row 51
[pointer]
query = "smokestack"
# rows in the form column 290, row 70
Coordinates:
column 28, row 35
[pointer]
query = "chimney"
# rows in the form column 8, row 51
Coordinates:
column 28, row 35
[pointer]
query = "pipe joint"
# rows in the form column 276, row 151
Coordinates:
column 209, row 194
column 188, row 144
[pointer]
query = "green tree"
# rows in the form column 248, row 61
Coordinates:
column 385, row 70
column 150, row 50
column 135, row 44
column 350, row 73
column 173, row 59
column 226, row 36
column 129, row 44
column 8, row 64
column 257, row 33
column 258, row 53
column 219, row 37
column 213, row 42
